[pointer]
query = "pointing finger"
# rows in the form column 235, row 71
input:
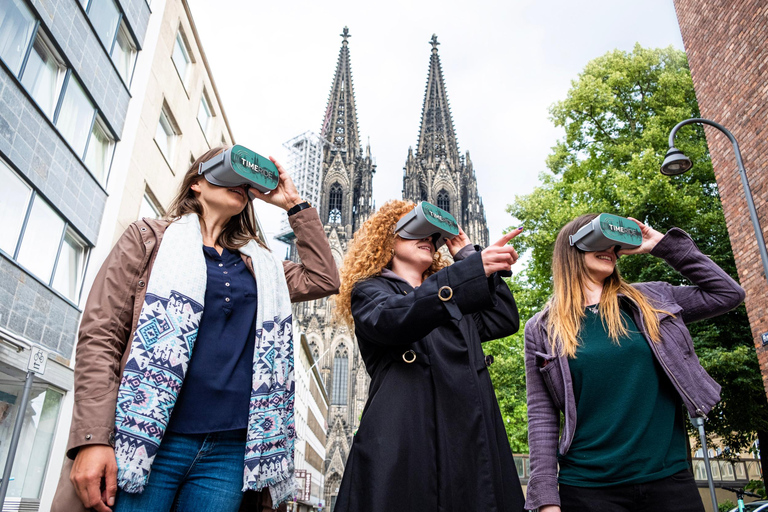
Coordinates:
column 509, row 236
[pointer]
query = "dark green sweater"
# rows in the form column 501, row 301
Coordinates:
column 630, row 421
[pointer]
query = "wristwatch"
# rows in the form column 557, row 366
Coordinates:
column 297, row 208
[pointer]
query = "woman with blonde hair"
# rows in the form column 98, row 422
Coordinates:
column 431, row 435
column 158, row 426
column 617, row 361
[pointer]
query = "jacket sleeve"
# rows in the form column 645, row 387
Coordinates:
column 714, row 291
column 543, row 427
column 316, row 276
column 502, row 318
column 102, row 340
column 387, row 318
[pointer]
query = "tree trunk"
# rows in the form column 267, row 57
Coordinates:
column 762, row 438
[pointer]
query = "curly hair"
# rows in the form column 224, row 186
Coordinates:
column 371, row 251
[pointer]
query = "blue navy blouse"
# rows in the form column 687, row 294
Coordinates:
column 217, row 388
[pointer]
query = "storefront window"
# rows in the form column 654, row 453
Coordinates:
column 38, row 428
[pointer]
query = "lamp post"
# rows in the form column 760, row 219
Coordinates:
column 675, row 162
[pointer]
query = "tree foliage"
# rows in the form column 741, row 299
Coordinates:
column 617, row 117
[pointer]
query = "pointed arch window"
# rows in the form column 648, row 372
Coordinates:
column 340, row 376
column 444, row 201
column 334, row 204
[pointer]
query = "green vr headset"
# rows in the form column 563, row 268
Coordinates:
column 239, row 166
column 606, row 231
column 427, row 221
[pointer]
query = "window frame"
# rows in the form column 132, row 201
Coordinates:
column 181, row 39
column 62, row 76
column 66, row 228
column 205, row 103
column 40, row 31
column 122, row 29
column 165, row 111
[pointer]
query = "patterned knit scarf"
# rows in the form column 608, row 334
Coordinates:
column 161, row 350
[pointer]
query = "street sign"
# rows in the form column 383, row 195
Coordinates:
column 765, row 338
column 37, row 360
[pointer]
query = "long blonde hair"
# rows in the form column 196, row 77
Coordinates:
column 240, row 229
column 371, row 251
column 566, row 306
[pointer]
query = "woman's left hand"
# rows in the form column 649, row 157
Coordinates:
column 285, row 194
column 458, row 242
column 650, row 238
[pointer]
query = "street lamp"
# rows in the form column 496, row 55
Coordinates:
column 675, row 162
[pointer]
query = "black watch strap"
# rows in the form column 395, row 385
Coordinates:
column 301, row 206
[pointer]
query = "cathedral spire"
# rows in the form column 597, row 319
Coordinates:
column 437, row 139
column 340, row 121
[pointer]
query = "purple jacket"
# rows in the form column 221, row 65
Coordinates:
column 548, row 377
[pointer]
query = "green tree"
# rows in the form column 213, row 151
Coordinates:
column 617, row 117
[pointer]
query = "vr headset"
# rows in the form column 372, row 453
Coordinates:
column 427, row 221
column 240, row 166
column 606, row 231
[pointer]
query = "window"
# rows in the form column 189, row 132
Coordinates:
column 76, row 115
column 149, row 208
column 37, row 431
column 166, row 135
column 70, row 266
column 14, row 198
column 334, row 204
column 54, row 88
column 41, row 240
column 45, row 244
column 107, row 21
column 43, row 74
column 17, row 26
column 105, row 17
column 340, row 372
column 124, row 53
column 204, row 114
column 180, row 57
column 99, row 152
column 443, row 201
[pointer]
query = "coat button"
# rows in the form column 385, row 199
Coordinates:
column 143, row 229
column 141, row 284
column 88, row 437
column 221, row 264
column 226, row 284
column 226, row 299
column 445, row 293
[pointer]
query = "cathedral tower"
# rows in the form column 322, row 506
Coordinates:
column 436, row 171
column 344, row 203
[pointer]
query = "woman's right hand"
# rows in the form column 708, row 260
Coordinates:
column 92, row 463
column 500, row 256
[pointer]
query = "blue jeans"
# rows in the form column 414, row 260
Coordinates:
column 192, row 473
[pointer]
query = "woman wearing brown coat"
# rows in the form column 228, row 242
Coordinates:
column 221, row 293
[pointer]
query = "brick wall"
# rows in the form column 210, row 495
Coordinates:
column 727, row 46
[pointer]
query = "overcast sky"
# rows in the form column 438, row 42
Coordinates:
column 504, row 64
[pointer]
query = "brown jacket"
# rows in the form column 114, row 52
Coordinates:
column 112, row 312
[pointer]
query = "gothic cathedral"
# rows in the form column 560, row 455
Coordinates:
column 435, row 172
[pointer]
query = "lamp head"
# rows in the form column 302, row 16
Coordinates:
column 675, row 162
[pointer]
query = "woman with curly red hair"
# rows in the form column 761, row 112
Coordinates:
column 431, row 435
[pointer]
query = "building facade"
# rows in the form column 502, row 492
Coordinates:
column 726, row 46
column 66, row 70
column 437, row 172
column 173, row 116
column 311, row 410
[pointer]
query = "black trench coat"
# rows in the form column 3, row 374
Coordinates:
column 431, row 437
